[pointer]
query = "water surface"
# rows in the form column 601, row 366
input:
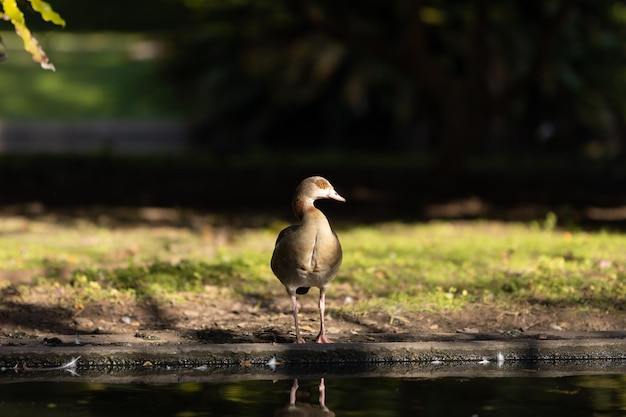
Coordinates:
column 533, row 395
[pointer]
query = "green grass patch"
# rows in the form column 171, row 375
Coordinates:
column 447, row 265
column 391, row 267
column 159, row 277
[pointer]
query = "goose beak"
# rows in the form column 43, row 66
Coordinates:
column 335, row 196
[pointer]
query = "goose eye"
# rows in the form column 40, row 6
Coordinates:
column 323, row 184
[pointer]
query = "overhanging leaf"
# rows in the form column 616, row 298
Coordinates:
column 31, row 44
column 47, row 13
column 13, row 12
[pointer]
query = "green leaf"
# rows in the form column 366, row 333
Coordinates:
column 47, row 13
column 13, row 12
column 31, row 45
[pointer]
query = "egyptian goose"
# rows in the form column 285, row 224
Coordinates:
column 309, row 254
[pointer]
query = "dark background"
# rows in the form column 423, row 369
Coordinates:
column 504, row 108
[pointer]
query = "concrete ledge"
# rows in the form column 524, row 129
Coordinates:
column 128, row 357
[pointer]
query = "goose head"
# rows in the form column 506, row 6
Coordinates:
column 312, row 189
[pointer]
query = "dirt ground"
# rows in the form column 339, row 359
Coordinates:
column 204, row 318
column 209, row 318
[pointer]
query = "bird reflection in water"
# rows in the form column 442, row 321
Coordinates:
column 304, row 407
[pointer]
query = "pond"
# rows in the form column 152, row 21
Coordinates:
column 190, row 393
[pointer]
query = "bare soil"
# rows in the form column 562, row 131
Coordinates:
column 204, row 318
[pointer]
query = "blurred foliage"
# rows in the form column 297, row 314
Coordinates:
column 101, row 76
column 411, row 75
column 407, row 75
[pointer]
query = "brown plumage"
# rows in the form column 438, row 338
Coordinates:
column 309, row 254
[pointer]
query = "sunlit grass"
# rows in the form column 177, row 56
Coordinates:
column 390, row 267
column 448, row 265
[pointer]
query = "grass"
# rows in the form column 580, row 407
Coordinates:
column 436, row 266
column 96, row 78
column 441, row 266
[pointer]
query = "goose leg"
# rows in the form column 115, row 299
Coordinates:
column 322, row 389
column 294, row 307
column 292, row 392
column 321, row 337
